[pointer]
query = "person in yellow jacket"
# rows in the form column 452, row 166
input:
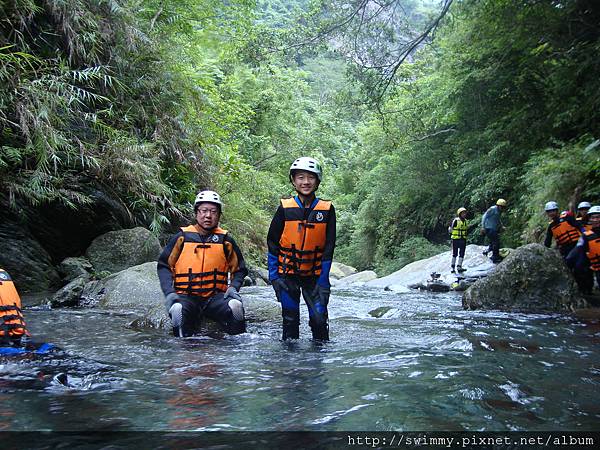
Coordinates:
column 201, row 270
column 458, row 230
column 12, row 323
column 300, row 242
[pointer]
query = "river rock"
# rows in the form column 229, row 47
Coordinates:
column 71, row 268
column 339, row 270
column 117, row 250
column 356, row 279
column 532, row 278
column 418, row 272
column 137, row 290
column 258, row 273
column 69, row 295
column 260, row 282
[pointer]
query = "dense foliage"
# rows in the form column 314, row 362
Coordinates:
column 414, row 113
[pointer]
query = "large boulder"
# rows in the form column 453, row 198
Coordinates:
column 339, row 270
column 356, row 279
column 70, row 294
column 137, row 290
column 117, row 250
column 72, row 268
column 532, row 278
column 418, row 272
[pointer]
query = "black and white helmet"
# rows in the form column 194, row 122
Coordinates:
column 584, row 205
column 551, row 206
column 594, row 210
column 308, row 164
column 208, row 197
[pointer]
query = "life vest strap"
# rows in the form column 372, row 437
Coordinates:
column 185, row 284
column 199, row 274
column 10, row 308
column 196, row 291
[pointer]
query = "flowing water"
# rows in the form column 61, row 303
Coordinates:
column 423, row 364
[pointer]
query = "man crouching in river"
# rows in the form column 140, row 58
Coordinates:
column 201, row 270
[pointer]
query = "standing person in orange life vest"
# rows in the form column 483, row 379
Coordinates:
column 201, row 270
column 586, row 253
column 562, row 227
column 582, row 215
column 301, row 241
column 12, row 323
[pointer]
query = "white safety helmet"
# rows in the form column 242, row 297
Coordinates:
column 550, row 206
column 459, row 210
column 584, row 205
column 208, row 197
column 594, row 210
column 308, row 164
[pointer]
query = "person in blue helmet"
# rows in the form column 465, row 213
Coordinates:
column 301, row 241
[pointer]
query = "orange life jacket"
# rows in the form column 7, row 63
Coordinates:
column 564, row 232
column 593, row 253
column 583, row 224
column 12, row 323
column 303, row 238
column 201, row 269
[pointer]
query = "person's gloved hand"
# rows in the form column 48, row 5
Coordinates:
column 170, row 300
column 322, row 294
column 231, row 292
column 279, row 284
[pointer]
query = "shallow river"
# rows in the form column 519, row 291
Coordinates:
column 425, row 364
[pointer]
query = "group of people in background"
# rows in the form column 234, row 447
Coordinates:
column 577, row 238
column 491, row 225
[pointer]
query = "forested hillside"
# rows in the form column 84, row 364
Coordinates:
column 415, row 108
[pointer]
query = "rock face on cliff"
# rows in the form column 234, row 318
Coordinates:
column 532, row 278
column 117, row 250
column 35, row 238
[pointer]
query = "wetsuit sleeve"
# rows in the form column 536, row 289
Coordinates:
column 273, row 237
column 166, row 261
column 548, row 240
column 236, row 263
column 575, row 223
column 329, row 248
column 577, row 257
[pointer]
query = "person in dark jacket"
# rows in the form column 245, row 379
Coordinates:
column 301, row 241
column 201, row 270
column 563, row 228
column 491, row 225
column 584, row 258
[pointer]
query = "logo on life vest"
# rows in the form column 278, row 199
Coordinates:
column 214, row 238
column 319, row 217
